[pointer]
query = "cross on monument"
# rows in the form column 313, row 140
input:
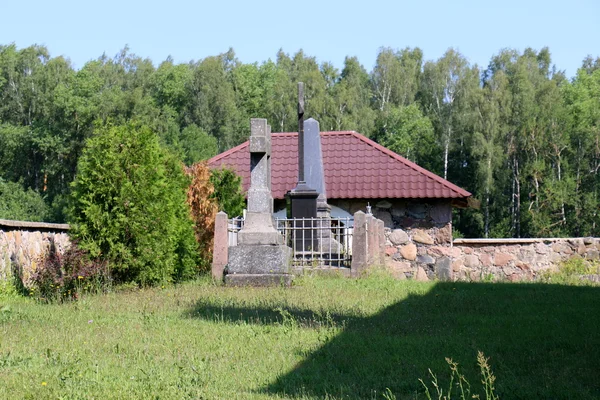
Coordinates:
column 303, row 199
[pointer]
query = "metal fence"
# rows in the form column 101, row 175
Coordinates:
column 315, row 242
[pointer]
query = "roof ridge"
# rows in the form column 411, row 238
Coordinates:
column 412, row 165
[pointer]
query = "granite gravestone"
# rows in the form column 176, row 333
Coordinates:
column 314, row 174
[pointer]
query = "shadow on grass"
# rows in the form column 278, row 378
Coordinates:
column 543, row 342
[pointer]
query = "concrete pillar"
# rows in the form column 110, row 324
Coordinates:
column 220, row 246
column 359, row 244
column 381, row 242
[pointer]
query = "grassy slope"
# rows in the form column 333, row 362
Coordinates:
column 326, row 337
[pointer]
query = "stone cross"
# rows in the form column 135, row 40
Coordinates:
column 260, row 258
column 258, row 227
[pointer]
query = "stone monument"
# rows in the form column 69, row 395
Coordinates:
column 314, row 174
column 260, row 258
column 303, row 198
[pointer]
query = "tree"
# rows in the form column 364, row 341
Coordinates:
column 20, row 204
column 228, row 191
column 128, row 205
column 406, row 131
column 447, row 86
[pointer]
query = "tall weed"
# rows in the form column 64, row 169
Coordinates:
column 66, row 276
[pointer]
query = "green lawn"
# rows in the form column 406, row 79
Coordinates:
column 325, row 337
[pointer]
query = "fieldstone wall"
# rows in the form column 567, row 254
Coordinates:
column 403, row 214
column 23, row 245
column 426, row 254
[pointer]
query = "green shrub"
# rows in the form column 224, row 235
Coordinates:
column 128, row 206
column 570, row 272
column 228, row 191
column 20, row 204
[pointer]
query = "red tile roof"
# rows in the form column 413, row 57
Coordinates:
column 355, row 168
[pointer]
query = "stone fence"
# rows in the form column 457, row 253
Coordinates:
column 24, row 244
column 422, row 255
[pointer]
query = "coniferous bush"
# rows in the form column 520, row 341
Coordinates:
column 128, row 206
column 228, row 191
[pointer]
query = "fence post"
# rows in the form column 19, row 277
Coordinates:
column 381, row 242
column 359, row 244
column 220, row 245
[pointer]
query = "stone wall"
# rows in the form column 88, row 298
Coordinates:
column 23, row 245
column 404, row 214
column 425, row 254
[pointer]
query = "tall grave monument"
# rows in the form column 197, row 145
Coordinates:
column 303, row 198
column 260, row 258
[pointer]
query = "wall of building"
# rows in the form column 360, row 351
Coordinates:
column 433, row 217
column 24, row 244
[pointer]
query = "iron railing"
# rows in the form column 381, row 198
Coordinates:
column 315, row 242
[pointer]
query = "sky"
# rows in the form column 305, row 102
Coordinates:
column 328, row 30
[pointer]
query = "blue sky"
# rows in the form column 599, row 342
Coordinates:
column 327, row 30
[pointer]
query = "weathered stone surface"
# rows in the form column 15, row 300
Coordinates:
column 24, row 246
column 471, row 261
column 220, row 246
column 554, row 257
column 457, row 265
column 409, row 251
column 398, row 211
column 421, row 275
column 437, row 251
column 562, row 247
column 467, row 250
column 541, row 248
column 441, row 213
column 420, row 236
column 259, row 279
column 502, row 259
column 592, row 254
column 260, row 259
column 398, row 237
column 385, row 216
column 486, row 260
column 383, row 204
column 581, row 249
column 588, row 240
column 443, row 269
column 398, row 269
column 444, row 235
column 425, row 259
column 417, row 210
column 390, row 251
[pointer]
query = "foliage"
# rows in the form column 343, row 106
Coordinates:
column 19, row 204
column 67, row 276
column 203, row 210
column 228, row 191
column 515, row 133
column 571, row 272
column 128, row 206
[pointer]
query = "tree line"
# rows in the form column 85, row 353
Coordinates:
column 518, row 134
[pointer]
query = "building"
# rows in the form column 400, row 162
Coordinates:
column 360, row 173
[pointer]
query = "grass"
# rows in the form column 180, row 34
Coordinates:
column 324, row 338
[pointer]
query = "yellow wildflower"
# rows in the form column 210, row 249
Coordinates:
column 44, row 383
